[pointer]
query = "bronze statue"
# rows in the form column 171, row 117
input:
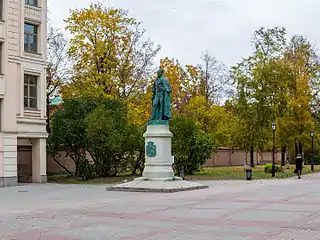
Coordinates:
column 161, row 107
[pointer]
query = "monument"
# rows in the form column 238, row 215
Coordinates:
column 158, row 174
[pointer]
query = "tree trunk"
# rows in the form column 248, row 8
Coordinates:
column 138, row 164
column 245, row 158
column 283, row 156
column 48, row 115
column 252, row 157
column 296, row 149
column 76, row 163
column 61, row 165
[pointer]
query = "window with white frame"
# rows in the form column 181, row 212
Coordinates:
column 30, row 91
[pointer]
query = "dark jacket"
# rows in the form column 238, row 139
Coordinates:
column 299, row 163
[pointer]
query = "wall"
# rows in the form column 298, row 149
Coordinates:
column 16, row 122
column 53, row 167
column 229, row 157
column 223, row 157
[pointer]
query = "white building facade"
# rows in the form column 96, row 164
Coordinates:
column 23, row 34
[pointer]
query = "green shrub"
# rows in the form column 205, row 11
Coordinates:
column 111, row 140
column 191, row 147
column 101, row 127
column 268, row 168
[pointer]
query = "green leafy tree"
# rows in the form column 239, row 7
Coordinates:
column 274, row 85
column 98, row 127
column 68, row 130
column 112, row 141
column 191, row 147
column 261, row 87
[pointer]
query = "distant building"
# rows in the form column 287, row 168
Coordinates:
column 23, row 34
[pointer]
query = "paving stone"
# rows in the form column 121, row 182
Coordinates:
column 255, row 210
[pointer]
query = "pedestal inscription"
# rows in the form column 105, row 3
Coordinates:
column 151, row 149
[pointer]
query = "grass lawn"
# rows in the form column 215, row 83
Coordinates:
column 216, row 173
column 237, row 173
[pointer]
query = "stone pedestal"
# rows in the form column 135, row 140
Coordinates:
column 158, row 175
column 158, row 161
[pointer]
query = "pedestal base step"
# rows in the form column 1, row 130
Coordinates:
column 145, row 185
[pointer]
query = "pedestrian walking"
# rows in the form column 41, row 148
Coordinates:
column 299, row 163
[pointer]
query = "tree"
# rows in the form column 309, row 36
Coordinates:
column 113, row 142
column 99, row 128
column 139, row 110
column 261, row 89
column 274, row 85
column 58, row 66
column 68, row 130
column 213, row 79
column 191, row 147
column 303, row 62
column 213, row 119
column 183, row 82
column 110, row 53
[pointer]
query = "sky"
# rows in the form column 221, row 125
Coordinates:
column 187, row 28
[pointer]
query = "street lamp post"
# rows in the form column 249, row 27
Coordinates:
column 312, row 156
column 274, row 125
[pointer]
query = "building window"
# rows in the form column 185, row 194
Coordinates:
column 31, row 2
column 30, row 37
column 30, row 91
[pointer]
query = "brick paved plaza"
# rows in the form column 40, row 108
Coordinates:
column 236, row 210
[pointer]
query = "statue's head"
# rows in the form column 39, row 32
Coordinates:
column 160, row 73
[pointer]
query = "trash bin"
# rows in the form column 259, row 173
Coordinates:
column 248, row 174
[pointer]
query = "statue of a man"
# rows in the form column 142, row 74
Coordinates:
column 161, row 107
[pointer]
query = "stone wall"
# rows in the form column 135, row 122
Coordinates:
column 54, row 167
column 222, row 157
column 230, row 157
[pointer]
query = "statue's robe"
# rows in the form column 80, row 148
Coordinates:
column 161, row 108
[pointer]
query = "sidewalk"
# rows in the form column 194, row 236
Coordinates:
column 228, row 210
